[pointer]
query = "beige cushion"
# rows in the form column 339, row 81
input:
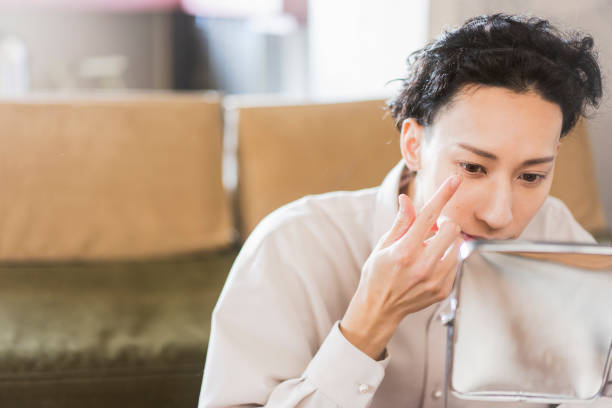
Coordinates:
column 575, row 182
column 115, row 176
column 288, row 151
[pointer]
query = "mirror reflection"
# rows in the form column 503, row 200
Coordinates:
column 532, row 322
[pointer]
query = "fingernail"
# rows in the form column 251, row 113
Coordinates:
column 455, row 179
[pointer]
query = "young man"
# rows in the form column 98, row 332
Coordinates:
column 333, row 298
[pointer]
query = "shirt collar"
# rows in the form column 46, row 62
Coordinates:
column 386, row 203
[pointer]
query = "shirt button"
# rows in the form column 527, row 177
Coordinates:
column 363, row 388
column 437, row 394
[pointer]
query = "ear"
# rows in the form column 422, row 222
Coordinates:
column 410, row 143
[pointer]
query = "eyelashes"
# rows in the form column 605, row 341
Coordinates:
column 532, row 178
column 473, row 169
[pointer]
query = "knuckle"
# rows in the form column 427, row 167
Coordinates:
column 399, row 219
column 431, row 288
column 430, row 217
column 420, row 276
column 403, row 214
column 403, row 255
column 404, row 262
column 443, row 293
column 434, row 292
column 408, row 263
column 401, row 223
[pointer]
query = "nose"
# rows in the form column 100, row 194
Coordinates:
column 495, row 209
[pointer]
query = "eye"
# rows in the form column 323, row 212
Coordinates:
column 473, row 168
column 532, row 178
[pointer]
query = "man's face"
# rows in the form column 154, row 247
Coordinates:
column 503, row 144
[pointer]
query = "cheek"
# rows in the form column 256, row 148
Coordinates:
column 527, row 203
column 436, row 174
column 462, row 204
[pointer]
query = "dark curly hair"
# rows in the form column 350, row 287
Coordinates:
column 514, row 52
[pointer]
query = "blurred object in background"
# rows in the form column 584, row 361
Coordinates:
column 103, row 72
column 91, row 5
column 341, row 49
column 233, row 8
column 14, row 70
column 241, row 46
column 60, row 41
column 304, row 49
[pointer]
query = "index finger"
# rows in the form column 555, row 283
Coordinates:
column 432, row 209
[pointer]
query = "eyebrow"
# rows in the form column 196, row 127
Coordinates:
column 491, row 156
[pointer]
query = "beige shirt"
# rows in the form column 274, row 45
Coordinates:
column 275, row 339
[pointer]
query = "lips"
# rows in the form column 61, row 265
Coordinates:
column 468, row 237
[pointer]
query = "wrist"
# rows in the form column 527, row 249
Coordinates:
column 368, row 327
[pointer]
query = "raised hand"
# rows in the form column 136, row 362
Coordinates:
column 405, row 272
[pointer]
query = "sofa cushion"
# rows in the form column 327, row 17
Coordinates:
column 119, row 333
column 575, row 182
column 288, row 151
column 111, row 176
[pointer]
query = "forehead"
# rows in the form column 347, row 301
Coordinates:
column 499, row 119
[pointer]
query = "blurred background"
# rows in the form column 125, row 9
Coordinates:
column 299, row 48
column 237, row 46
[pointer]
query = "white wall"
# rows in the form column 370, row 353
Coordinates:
column 592, row 16
column 58, row 41
column 357, row 46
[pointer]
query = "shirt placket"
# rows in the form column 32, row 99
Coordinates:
column 433, row 396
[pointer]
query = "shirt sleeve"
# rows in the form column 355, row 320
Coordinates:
column 338, row 375
column 274, row 343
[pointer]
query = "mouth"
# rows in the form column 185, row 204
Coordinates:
column 468, row 237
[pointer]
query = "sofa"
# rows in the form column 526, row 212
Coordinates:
column 121, row 215
column 116, row 239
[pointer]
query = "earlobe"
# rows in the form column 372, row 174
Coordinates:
column 410, row 143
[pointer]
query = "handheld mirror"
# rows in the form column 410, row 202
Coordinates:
column 531, row 322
